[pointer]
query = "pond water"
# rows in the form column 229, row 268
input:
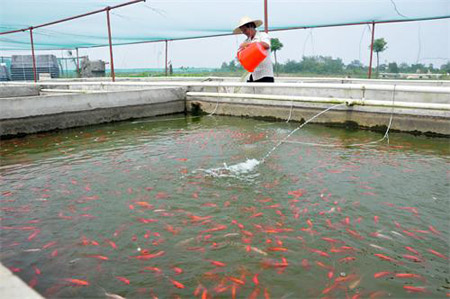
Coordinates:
column 165, row 208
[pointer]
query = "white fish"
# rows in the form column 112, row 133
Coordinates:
column 257, row 250
column 377, row 247
column 397, row 233
column 113, row 296
column 32, row 250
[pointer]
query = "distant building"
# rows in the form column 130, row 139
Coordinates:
column 428, row 75
column 22, row 67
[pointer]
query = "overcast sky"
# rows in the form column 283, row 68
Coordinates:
column 411, row 42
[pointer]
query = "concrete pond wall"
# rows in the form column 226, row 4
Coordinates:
column 27, row 107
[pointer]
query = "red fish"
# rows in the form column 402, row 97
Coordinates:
column 123, row 279
column 154, row 269
column 177, row 284
column 413, row 258
column 150, row 256
column 330, row 240
column 236, row 280
column 434, row 230
column 409, row 275
column 218, row 264
column 414, row 289
column 319, row 252
column 347, row 259
column 277, row 249
column 255, row 279
column 437, row 254
column 375, row 219
column 412, row 250
column 386, row 258
column 100, row 257
column 48, row 245
column 34, row 234
column 382, row 274
column 77, row 281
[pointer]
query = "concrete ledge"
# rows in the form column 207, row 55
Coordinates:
column 377, row 118
column 12, row 287
column 38, row 114
column 8, row 91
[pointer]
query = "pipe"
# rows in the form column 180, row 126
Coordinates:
column 377, row 87
column 266, row 17
column 72, row 91
column 78, row 64
column 32, row 55
column 110, row 45
column 349, row 102
column 166, row 58
column 371, row 50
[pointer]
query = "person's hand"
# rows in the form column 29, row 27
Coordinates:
column 244, row 45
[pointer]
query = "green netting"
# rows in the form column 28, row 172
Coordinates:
column 180, row 19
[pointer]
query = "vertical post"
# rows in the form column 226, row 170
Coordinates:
column 113, row 75
column 78, row 63
column 266, row 18
column 371, row 49
column 167, row 45
column 33, row 56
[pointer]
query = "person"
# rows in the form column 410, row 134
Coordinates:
column 247, row 26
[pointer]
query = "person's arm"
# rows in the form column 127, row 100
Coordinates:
column 265, row 40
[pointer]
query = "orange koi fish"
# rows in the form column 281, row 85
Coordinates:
column 218, row 264
column 382, row 274
column 255, row 279
column 330, row 240
column 437, row 254
column 236, row 280
column 412, row 250
column 150, row 256
column 77, row 281
column 100, row 257
column 319, row 252
column 413, row 258
column 409, row 275
column 48, row 245
column 277, row 249
column 386, row 258
column 34, row 234
column 347, row 259
column 123, row 279
column 177, row 284
column 154, row 269
column 414, row 289
column 434, row 230
column 214, row 229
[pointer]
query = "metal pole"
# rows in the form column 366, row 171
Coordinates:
column 371, row 50
column 167, row 45
column 266, row 18
column 113, row 75
column 32, row 54
column 78, row 63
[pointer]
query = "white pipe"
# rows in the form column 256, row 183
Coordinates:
column 72, row 91
column 361, row 87
column 349, row 102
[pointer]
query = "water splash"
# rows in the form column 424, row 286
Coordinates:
column 236, row 170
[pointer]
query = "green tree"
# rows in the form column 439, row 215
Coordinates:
column 445, row 68
column 379, row 45
column 275, row 45
column 393, row 67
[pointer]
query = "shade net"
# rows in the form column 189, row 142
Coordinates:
column 182, row 19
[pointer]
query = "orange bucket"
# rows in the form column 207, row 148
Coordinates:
column 252, row 56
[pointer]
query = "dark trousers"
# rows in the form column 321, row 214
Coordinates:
column 263, row 79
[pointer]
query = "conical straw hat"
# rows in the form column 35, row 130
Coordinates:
column 246, row 20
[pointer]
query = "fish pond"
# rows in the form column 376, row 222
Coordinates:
column 184, row 207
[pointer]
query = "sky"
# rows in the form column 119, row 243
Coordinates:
column 410, row 42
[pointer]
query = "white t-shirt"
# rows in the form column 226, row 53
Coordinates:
column 265, row 68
